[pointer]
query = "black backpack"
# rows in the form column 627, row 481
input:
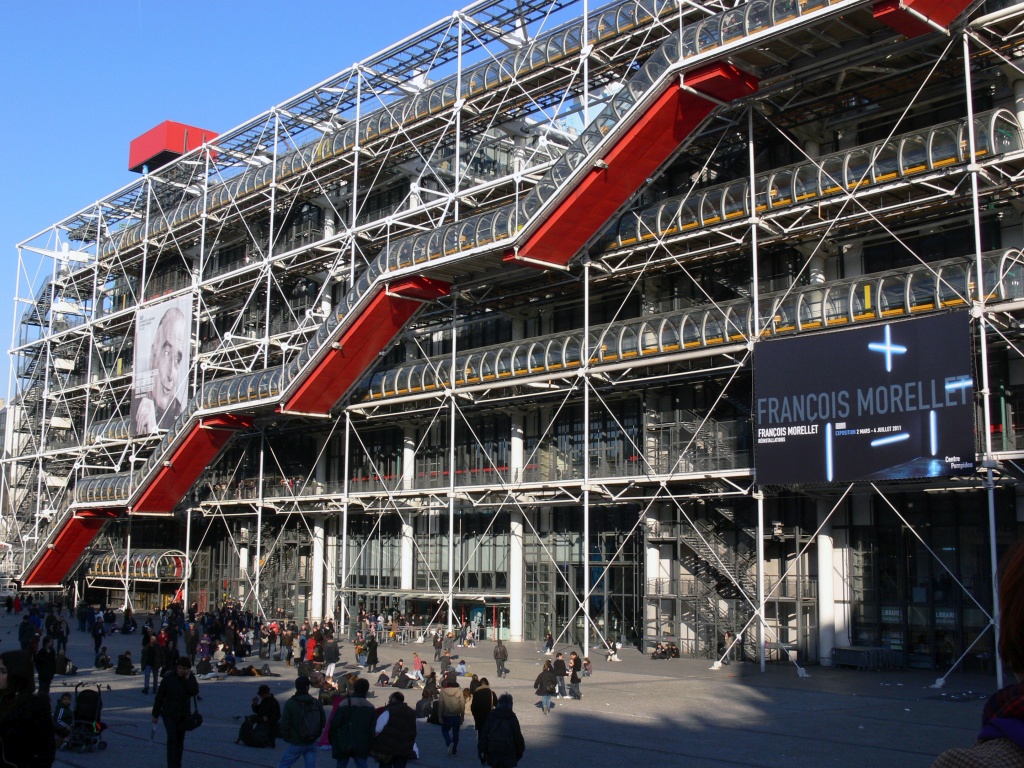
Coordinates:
column 499, row 737
column 311, row 724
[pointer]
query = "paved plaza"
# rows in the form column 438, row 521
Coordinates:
column 636, row 712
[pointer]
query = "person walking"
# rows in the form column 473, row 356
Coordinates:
column 46, row 666
column 148, row 662
column 438, row 642
column 61, row 634
column 545, row 685
column 26, row 727
column 302, row 722
column 395, row 733
column 500, row 657
column 452, row 710
column 27, row 633
column 98, row 633
column 481, row 705
column 173, row 697
column 501, row 741
column 352, row 727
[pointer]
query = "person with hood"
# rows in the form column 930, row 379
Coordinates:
column 294, row 729
column 452, row 710
column 352, row 726
column 1001, row 738
column 394, row 738
column 501, row 741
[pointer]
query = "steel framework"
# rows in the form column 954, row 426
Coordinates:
column 472, row 324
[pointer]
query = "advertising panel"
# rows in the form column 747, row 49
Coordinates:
column 883, row 402
column 162, row 359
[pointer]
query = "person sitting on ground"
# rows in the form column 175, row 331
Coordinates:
column 611, row 652
column 260, row 728
column 383, row 679
column 124, row 664
column 673, row 651
column 659, row 652
column 1001, row 739
column 322, row 688
column 204, row 666
column 102, row 660
column 460, row 668
column 64, row 665
column 228, row 663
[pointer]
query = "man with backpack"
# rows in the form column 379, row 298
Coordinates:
column 501, row 742
column 302, row 722
column 352, row 726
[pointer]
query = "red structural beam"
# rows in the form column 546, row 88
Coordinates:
column 77, row 533
column 190, row 458
column 903, row 16
column 640, row 152
column 377, row 325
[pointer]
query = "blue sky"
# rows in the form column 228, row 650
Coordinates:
column 82, row 79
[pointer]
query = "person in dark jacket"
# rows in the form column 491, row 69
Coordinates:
column 173, row 703
column 501, row 741
column 46, row 665
column 267, row 711
column 352, row 726
column 546, row 684
column 26, row 728
column 484, row 701
column 371, row 653
column 395, row 733
column 560, row 671
column 148, row 661
column 291, row 729
column 27, row 633
column 500, row 657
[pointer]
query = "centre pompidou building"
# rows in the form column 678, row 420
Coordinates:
column 639, row 322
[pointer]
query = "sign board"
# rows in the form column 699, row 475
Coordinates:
column 888, row 401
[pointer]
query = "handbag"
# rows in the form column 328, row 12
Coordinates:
column 194, row 719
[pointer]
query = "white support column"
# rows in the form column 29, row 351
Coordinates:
column 826, row 588
column 762, row 624
column 652, row 572
column 243, row 563
column 409, row 458
column 316, row 609
column 408, row 551
column 408, row 483
column 330, row 578
column 515, row 577
column 517, row 450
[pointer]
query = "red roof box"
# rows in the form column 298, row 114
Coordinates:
column 160, row 145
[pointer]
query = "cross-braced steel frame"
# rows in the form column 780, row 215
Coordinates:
column 269, row 227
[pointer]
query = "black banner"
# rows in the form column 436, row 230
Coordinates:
column 886, row 401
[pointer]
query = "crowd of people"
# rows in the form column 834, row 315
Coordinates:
column 332, row 711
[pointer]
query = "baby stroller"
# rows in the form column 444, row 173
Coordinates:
column 87, row 730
